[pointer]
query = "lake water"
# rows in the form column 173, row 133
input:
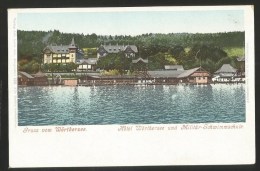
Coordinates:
column 102, row 105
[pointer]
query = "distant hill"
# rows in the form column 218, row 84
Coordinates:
column 31, row 43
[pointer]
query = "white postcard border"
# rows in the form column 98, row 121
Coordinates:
column 107, row 146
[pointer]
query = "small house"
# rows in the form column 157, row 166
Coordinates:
column 25, row 78
column 87, row 64
column 225, row 74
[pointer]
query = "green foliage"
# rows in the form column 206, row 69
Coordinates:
column 157, row 61
column 176, row 51
column 90, row 52
column 111, row 72
column 160, row 49
column 31, row 43
column 115, row 61
column 235, row 51
column 52, row 67
column 28, row 66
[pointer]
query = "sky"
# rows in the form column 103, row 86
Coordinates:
column 134, row 23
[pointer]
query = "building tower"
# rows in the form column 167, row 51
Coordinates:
column 72, row 51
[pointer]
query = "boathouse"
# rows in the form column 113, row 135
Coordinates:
column 98, row 79
column 195, row 76
column 25, row 78
column 225, row 74
column 165, row 76
column 191, row 76
column 40, row 79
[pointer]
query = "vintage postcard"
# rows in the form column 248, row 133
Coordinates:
column 139, row 86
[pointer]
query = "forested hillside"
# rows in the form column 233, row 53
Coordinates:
column 173, row 48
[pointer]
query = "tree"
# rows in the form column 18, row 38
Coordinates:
column 45, row 67
column 157, row 61
column 177, row 52
column 116, row 61
column 52, row 67
column 71, row 67
column 205, row 56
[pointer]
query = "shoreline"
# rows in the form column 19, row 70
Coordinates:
column 134, row 84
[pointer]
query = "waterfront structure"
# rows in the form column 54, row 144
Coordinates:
column 140, row 64
column 25, row 78
column 165, row 76
column 87, row 64
column 192, row 76
column 225, row 74
column 62, row 54
column 70, row 82
column 40, row 79
column 140, row 67
column 129, row 51
column 195, row 76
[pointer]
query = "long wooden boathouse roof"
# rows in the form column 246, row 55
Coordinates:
column 155, row 74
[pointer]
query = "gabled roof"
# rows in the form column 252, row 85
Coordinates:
column 226, row 68
column 140, row 59
column 58, row 48
column 131, row 47
column 165, row 73
column 117, row 48
column 62, row 48
column 173, row 67
column 39, row 74
column 25, row 74
column 91, row 61
column 187, row 73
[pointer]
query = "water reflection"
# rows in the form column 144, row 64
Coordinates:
column 131, row 104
